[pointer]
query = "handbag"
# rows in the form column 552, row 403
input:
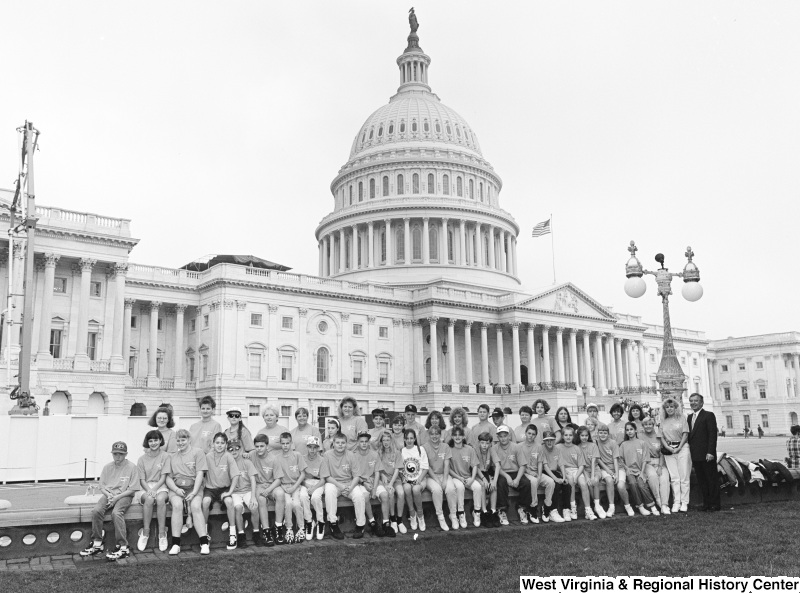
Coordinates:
column 665, row 450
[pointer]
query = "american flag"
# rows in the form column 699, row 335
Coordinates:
column 542, row 228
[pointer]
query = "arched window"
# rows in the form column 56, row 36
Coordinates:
column 400, row 252
column 138, row 409
column 433, row 243
column 385, row 186
column 480, row 190
column 459, row 187
column 380, row 131
column 359, row 250
column 486, row 251
column 322, row 365
column 415, row 183
column 431, row 184
column 414, row 126
column 60, row 403
column 445, row 185
column 402, row 126
column 383, row 246
column 416, row 243
column 351, row 195
column 400, row 185
column 97, row 404
column 425, row 126
column 391, row 127
column 347, row 255
column 372, row 188
column 427, row 370
column 471, row 190
column 438, row 127
column 371, row 133
column 361, row 191
column 450, row 253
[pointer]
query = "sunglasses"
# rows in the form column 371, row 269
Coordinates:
column 234, row 415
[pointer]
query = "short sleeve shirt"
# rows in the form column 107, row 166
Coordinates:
column 607, row 452
column 274, row 435
column 290, row 466
column 571, row 456
column 350, row 428
column 544, row 423
column 246, row 471
column 376, row 433
column 247, row 437
column 673, row 428
column 590, row 453
column 411, row 462
column 653, row 443
column 203, row 434
column 634, row 454
column 313, row 466
column 186, row 464
column 222, row 470
column 509, row 458
column 437, row 456
column 151, row 467
column 267, row 469
column 299, row 437
column 533, row 455
column 120, row 478
column 487, row 460
column 170, row 441
column 367, row 465
column 477, row 430
column 551, row 457
column 462, row 460
column 616, row 430
column 388, row 461
column 340, row 468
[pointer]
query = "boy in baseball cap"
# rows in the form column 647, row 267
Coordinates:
column 118, row 483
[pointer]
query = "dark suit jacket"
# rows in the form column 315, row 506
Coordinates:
column 702, row 435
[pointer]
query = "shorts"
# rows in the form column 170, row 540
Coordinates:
column 139, row 497
column 241, row 499
column 380, row 490
column 571, row 474
column 215, row 494
column 272, row 495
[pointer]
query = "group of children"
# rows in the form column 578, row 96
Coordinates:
column 391, row 466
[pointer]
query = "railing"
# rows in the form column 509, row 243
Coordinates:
column 190, row 384
column 422, row 389
column 326, row 386
column 63, row 364
column 100, row 366
column 463, row 388
column 635, row 390
column 480, row 389
column 501, row 389
column 552, row 386
column 52, row 213
column 447, row 388
column 139, row 382
column 166, row 384
column 257, row 272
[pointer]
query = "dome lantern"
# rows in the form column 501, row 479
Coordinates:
column 413, row 63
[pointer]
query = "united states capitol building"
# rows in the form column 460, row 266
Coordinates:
column 416, row 299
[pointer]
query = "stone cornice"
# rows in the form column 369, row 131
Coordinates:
column 86, row 237
column 394, row 163
column 676, row 338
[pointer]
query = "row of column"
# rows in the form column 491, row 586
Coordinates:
column 152, row 349
column 502, row 246
column 608, row 352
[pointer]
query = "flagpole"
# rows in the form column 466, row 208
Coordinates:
column 552, row 248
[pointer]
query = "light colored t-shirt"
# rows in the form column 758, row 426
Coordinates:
column 673, row 427
column 291, row 464
column 653, row 443
column 299, row 437
column 186, row 464
column 437, row 456
column 150, row 466
column 634, row 454
column 203, row 434
column 544, row 423
column 411, row 462
column 274, row 435
column 267, row 468
column 313, row 466
column 367, row 465
column 486, row 460
column 246, row 471
column 341, row 468
column 510, row 458
column 571, row 456
column 607, row 452
column 222, row 470
column 246, row 440
column 120, row 478
column 533, row 455
column 590, row 454
column 616, row 430
column 519, row 432
column 350, row 428
column 416, row 427
column 551, row 457
column 170, row 443
column 462, row 460
column 397, row 439
column 478, row 429
column 388, row 461
column 377, row 433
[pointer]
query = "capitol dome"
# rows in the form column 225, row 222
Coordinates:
column 416, row 202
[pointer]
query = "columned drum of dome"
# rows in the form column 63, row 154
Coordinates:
column 416, row 201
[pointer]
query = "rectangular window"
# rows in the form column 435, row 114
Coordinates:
column 729, row 422
column 255, row 365
column 358, row 329
column 762, row 392
column 91, row 346
column 95, row 289
column 741, row 366
column 160, row 324
column 55, row 343
column 744, row 392
column 287, row 323
column 134, row 321
column 759, row 365
column 764, row 420
column 683, row 360
column 286, row 411
column 205, row 321
column 159, row 366
column 254, row 410
column 322, row 413
column 192, row 325
column 204, row 367
column 357, row 367
column 746, row 419
column 383, row 332
column 132, row 366
column 694, row 362
column 383, row 368
column 724, row 368
column 256, row 319
column 286, row 367
column 191, row 368
column 652, row 358
column 727, row 391
column 60, row 285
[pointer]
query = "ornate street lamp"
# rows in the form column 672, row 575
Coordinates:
column 670, row 376
column 585, row 393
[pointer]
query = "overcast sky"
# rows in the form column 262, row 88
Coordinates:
column 217, row 127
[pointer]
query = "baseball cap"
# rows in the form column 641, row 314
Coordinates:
column 234, row 411
column 411, row 408
column 119, row 447
column 364, row 433
column 379, row 412
column 592, row 406
column 312, row 440
column 234, row 444
column 503, row 429
column 547, row 435
column 497, row 412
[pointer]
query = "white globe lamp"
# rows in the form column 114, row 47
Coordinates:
column 692, row 291
column 635, row 287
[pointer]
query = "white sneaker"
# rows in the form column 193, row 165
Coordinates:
column 573, row 511
column 643, row 510
column 503, row 518
column 598, row 509
column 684, row 508
column 421, row 521
column 401, row 527
column 676, row 507
column 454, row 521
column 205, row 549
column 175, row 550
column 476, row 518
column 590, row 515
column 162, row 543
column 545, row 517
column 443, row 522
column 654, row 510
column 555, row 517
column 523, row 516
column 412, row 521
column 610, row 511
column 567, row 516
column 142, row 543
column 664, row 509
column 532, row 516
column 629, row 510
column 462, row 520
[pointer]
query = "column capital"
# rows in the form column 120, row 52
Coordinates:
column 40, row 264
column 531, row 326
column 371, row 223
column 86, row 264
column 468, row 323
column 180, row 308
column 19, row 250
column 75, row 269
column 515, row 325
column 407, row 322
column 445, row 220
column 451, row 322
column 273, row 308
column 345, row 316
column 155, row 305
column 302, row 311
column 559, row 329
column 129, row 303
column 485, row 325
column 425, row 219
column 371, row 319
column 433, row 320
column 120, row 269
column 227, row 303
column 241, row 305
column 396, row 322
column 545, row 328
column 571, row 331
column 462, row 221
column 416, row 322
column 387, row 221
column 406, row 219
column 50, row 259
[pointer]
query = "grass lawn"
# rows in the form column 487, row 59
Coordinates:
column 751, row 540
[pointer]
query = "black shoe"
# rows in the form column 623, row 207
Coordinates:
column 388, row 531
column 241, row 540
column 309, row 529
column 280, row 538
column 259, row 539
column 269, row 537
column 377, row 530
column 119, row 553
column 359, row 532
column 495, row 519
column 336, row 533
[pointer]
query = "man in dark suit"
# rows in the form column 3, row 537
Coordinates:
column 703, row 449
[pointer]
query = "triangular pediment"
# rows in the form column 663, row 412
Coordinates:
column 567, row 299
